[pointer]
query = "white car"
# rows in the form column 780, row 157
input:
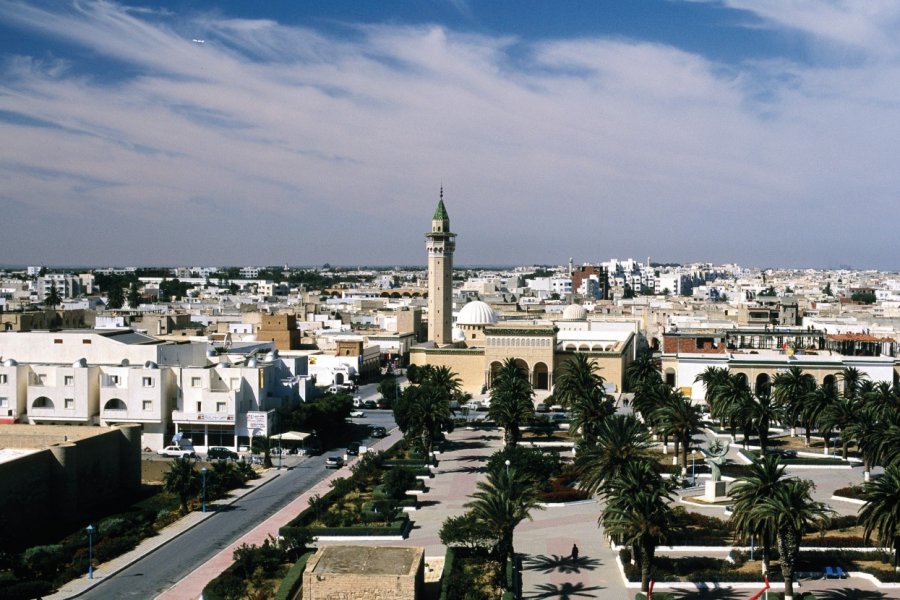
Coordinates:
column 177, row 452
column 472, row 405
column 357, row 413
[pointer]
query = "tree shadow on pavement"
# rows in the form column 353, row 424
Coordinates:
column 563, row 564
column 714, row 594
column 565, row 591
column 463, row 445
column 850, row 594
column 467, row 458
column 465, row 470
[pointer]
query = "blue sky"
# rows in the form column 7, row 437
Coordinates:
column 761, row 132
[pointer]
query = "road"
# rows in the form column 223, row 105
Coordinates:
column 158, row 571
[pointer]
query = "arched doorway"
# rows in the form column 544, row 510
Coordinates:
column 763, row 385
column 115, row 404
column 42, row 402
column 541, row 376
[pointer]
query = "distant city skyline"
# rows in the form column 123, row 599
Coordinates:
column 761, row 133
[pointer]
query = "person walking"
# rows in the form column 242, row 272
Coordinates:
column 574, row 552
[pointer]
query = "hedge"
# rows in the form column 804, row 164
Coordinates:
column 397, row 527
column 449, row 560
column 293, row 580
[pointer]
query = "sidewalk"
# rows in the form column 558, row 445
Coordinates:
column 148, row 545
column 191, row 586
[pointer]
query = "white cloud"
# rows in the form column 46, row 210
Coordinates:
column 271, row 143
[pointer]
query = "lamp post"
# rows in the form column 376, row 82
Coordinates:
column 203, row 479
column 507, row 467
column 280, row 452
column 693, row 476
column 90, row 531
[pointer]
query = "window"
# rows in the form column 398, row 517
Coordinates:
column 235, row 383
column 199, row 407
column 148, row 405
column 85, row 341
column 195, row 382
column 69, row 380
column 57, row 341
column 147, row 381
column 4, row 402
column 220, row 407
column 3, row 378
column 70, row 403
column 113, row 380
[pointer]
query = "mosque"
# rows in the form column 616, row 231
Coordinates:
column 478, row 340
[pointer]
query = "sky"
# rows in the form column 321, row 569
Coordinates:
column 762, row 132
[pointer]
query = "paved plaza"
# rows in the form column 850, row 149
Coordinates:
column 544, row 544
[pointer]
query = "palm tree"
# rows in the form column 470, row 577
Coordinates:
column 791, row 510
column 731, row 401
column 502, row 501
column 762, row 412
column 881, row 512
column 852, row 379
column 766, row 473
column 865, row 432
column 511, row 400
column 579, row 380
column 711, row 378
column 790, row 391
column 680, row 419
column 443, row 377
column 817, row 401
column 588, row 415
column 642, row 371
column 638, row 512
column 134, row 295
column 182, row 480
column 428, row 410
column 52, row 300
column 840, row 415
column 621, row 439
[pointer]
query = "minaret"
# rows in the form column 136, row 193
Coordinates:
column 440, row 245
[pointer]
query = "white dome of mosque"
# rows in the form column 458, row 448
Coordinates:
column 458, row 335
column 476, row 313
column 574, row 312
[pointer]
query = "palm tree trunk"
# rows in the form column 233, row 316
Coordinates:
column 646, row 564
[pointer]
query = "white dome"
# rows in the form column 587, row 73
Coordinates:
column 458, row 335
column 476, row 313
column 574, row 312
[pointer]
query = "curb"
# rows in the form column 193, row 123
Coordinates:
column 61, row 594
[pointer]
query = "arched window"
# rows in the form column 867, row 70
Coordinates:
column 42, row 402
column 115, row 404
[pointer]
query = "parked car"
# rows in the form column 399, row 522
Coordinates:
column 353, row 449
column 541, row 408
column 379, row 432
column 313, row 447
column 472, row 405
column 177, row 452
column 221, row 453
column 334, row 462
column 370, row 404
column 357, row 414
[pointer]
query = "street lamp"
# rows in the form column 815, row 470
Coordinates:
column 507, row 466
column 280, row 452
column 203, row 478
column 693, row 476
column 90, row 530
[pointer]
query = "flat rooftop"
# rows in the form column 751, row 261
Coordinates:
column 368, row 560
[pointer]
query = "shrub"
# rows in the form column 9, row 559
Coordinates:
column 397, row 481
column 538, row 465
column 226, row 586
column 26, row 590
column 44, row 561
column 293, row 579
column 464, row 531
column 109, row 548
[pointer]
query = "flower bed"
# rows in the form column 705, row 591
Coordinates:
column 856, row 492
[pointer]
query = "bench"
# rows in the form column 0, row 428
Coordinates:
column 829, row 573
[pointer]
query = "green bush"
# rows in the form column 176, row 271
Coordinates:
column 26, row 590
column 292, row 580
column 109, row 548
column 397, row 481
column 226, row 586
column 43, row 562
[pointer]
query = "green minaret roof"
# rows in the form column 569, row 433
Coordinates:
column 440, row 213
